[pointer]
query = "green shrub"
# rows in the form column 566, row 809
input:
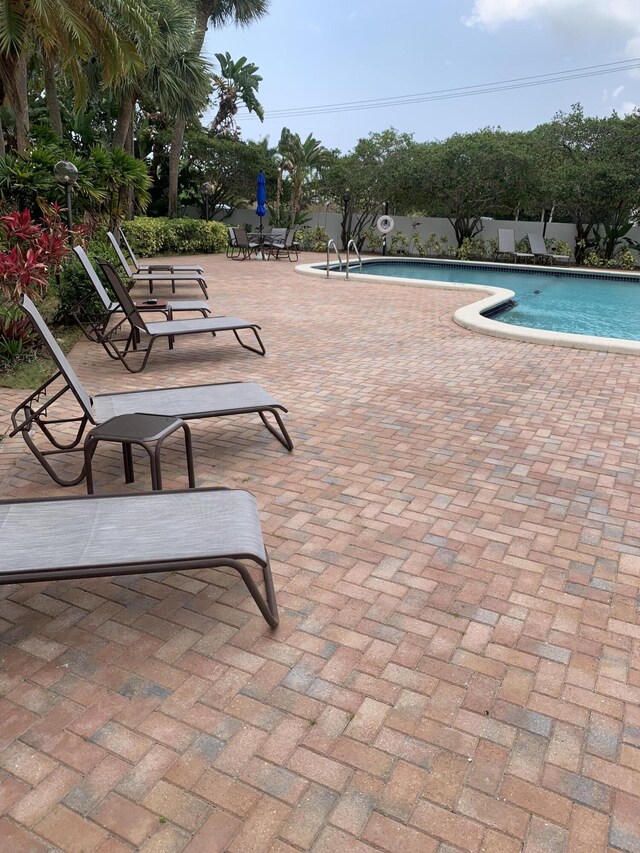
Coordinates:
column 73, row 283
column 559, row 247
column 593, row 259
column 157, row 236
column 372, row 240
column 18, row 339
column 473, row 249
column 312, row 239
column 399, row 244
column 623, row 260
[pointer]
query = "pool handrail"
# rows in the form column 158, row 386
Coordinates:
column 352, row 242
column 331, row 243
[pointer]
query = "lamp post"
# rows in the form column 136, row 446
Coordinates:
column 207, row 189
column 346, row 219
column 66, row 174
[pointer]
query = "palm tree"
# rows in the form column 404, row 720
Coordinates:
column 237, row 81
column 217, row 13
column 174, row 77
column 300, row 159
column 72, row 30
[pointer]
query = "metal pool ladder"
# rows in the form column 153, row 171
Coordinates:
column 355, row 248
column 332, row 243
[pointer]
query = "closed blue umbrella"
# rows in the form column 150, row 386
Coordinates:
column 261, row 197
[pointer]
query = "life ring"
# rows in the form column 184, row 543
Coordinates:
column 385, row 224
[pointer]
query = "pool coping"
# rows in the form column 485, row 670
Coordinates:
column 471, row 317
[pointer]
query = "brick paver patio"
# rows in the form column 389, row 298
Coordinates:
column 456, row 550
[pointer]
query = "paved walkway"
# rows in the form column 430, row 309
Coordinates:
column 456, row 551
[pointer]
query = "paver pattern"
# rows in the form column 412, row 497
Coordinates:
column 455, row 544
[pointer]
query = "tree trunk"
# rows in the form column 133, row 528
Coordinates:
column 3, row 148
column 130, row 193
column 177, row 138
column 13, row 73
column 51, row 95
column 123, row 122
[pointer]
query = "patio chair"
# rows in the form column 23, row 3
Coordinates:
column 191, row 402
column 135, row 534
column 245, row 246
column 111, row 339
column 140, row 268
column 507, row 246
column 111, row 306
column 232, row 245
column 152, row 277
column 539, row 249
column 284, row 246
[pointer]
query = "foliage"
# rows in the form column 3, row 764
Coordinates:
column 372, row 240
column 237, row 82
column 473, row 249
column 30, row 252
column 73, row 284
column 150, row 237
column 18, row 340
column 312, row 239
column 433, row 246
column 399, row 244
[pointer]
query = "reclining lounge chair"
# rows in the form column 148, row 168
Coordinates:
column 507, row 246
column 122, row 348
column 539, row 249
column 135, row 534
column 141, row 268
column 151, row 277
column 190, row 403
column 173, row 305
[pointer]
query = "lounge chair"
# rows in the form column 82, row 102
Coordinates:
column 140, row 268
column 507, row 246
column 284, row 246
column 135, row 534
column 110, row 337
column 111, row 306
column 151, row 277
column 189, row 402
column 539, row 249
column 244, row 245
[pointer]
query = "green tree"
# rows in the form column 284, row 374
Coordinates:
column 215, row 13
column 237, row 82
column 67, row 31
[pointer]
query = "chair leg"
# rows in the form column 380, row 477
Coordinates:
column 268, row 608
column 254, row 329
column 283, row 436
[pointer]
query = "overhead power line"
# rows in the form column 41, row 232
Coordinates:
column 456, row 92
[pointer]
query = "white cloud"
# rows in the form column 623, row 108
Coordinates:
column 617, row 92
column 588, row 16
column 626, row 108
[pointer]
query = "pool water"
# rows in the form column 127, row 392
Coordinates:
column 582, row 303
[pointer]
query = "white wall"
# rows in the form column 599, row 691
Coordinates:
column 431, row 225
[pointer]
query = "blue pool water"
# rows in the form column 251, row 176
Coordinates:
column 582, row 303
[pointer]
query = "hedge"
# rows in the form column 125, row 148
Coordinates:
column 161, row 236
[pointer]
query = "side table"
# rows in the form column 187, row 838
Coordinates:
column 148, row 431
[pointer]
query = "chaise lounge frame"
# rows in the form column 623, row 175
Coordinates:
column 135, row 534
column 192, row 402
column 121, row 348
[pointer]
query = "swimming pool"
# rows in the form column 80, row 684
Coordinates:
column 595, row 304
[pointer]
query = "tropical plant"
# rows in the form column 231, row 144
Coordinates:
column 216, row 13
column 31, row 251
column 68, row 31
column 236, row 82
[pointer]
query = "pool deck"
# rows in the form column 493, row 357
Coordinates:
column 471, row 316
column 455, row 544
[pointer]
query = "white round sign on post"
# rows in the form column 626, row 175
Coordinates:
column 385, row 224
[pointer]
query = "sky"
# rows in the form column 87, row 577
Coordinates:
column 313, row 54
